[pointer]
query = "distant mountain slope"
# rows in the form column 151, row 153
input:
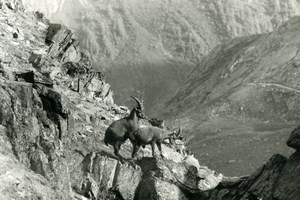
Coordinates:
column 268, row 62
column 152, row 45
column 238, row 94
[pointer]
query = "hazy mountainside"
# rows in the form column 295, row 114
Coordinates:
column 52, row 129
column 238, row 95
column 152, row 45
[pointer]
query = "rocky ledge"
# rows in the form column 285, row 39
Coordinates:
column 54, row 111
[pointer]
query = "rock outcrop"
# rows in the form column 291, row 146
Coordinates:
column 38, row 105
column 277, row 179
column 294, row 140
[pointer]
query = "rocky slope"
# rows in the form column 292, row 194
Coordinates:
column 152, row 45
column 239, row 94
column 52, row 127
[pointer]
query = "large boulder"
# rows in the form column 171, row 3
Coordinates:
column 111, row 178
column 153, row 188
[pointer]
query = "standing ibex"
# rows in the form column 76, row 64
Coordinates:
column 150, row 135
column 118, row 132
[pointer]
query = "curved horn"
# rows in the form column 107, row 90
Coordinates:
column 179, row 131
column 142, row 98
column 140, row 104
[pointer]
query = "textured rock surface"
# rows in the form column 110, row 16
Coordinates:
column 294, row 139
column 37, row 120
column 288, row 183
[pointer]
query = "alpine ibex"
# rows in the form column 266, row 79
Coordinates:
column 118, row 132
column 150, row 135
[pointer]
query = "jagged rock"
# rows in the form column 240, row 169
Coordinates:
column 260, row 185
column 294, row 139
column 53, row 100
column 20, row 183
column 150, row 178
column 72, row 54
column 183, row 177
column 33, row 77
column 111, row 177
column 127, row 180
column 56, row 33
column 63, row 46
column 288, row 185
column 153, row 188
column 17, row 139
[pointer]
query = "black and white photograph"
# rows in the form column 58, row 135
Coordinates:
column 149, row 99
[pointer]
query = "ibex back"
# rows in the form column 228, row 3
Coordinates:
column 150, row 135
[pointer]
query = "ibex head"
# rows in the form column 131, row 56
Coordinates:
column 139, row 107
column 176, row 135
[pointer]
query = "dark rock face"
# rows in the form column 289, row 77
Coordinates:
column 262, row 183
column 294, row 139
column 288, row 185
column 277, row 179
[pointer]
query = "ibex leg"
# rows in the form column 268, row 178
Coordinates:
column 159, row 148
column 135, row 150
column 153, row 149
column 116, row 152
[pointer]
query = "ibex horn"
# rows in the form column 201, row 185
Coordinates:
column 142, row 98
column 140, row 104
column 179, row 131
